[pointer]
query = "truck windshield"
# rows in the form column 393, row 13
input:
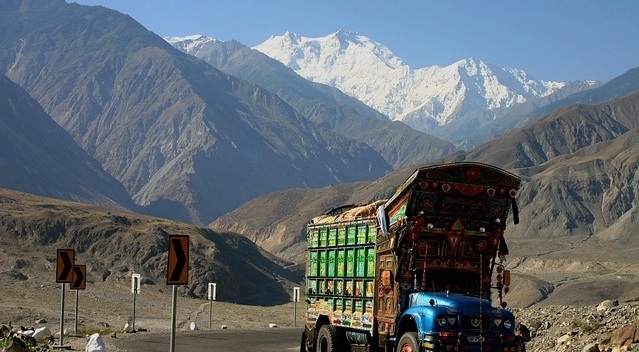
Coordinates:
column 452, row 281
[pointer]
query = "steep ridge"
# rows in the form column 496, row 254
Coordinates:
column 187, row 141
column 325, row 106
column 564, row 131
column 38, row 156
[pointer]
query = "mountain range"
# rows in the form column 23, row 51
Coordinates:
column 96, row 108
column 187, row 141
column 425, row 98
column 323, row 105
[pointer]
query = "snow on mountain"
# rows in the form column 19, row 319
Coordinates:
column 190, row 43
column 423, row 98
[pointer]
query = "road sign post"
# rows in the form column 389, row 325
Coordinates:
column 135, row 288
column 212, row 294
column 296, row 298
column 177, row 273
column 64, row 275
column 79, row 282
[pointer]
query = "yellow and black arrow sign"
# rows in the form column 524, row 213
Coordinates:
column 79, row 277
column 64, row 266
column 178, row 266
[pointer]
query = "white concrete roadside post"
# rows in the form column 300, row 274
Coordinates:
column 135, row 289
column 296, row 298
column 212, row 295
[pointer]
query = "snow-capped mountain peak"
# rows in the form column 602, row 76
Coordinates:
column 423, row 97
column 190, row 42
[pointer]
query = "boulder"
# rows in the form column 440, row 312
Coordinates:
column 606, row 305
column 95, row 344
column 41, row 333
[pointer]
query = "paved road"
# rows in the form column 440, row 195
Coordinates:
column 271, row 340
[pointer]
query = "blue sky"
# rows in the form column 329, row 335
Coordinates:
column 558, row 40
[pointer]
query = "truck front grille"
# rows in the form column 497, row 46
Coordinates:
column 476, row 323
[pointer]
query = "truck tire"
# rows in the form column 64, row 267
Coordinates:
column 327, row 339
column 408, row 343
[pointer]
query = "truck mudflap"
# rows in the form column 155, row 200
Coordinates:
column 453, row 341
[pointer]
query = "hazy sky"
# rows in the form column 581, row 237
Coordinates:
column 559, row 40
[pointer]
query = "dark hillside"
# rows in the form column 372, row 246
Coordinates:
column 114, row 244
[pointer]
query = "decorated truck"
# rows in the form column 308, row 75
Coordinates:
column 421, row 271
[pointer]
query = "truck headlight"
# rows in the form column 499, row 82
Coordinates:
column 449, row 320
column 503, row 323
column 441, row 321
column 508, row 324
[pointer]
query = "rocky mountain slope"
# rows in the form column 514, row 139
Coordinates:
column 325, row 106
column 187, row 141
column 39, row 156
column 581, row 160
column 115, row 243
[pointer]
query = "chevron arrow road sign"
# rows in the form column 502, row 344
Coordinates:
column 64, row 266
column 178, row 265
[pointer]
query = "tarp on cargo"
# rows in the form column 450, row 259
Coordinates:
column 349, row 212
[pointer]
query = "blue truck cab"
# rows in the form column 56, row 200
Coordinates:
column 453, row 322
column 420, row 271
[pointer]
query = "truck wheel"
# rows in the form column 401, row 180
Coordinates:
column 408, row 343
column 326, row 339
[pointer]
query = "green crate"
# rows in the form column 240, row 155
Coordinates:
column 313, row 264
column 350, row 262
column 361, row 262
column 331, row 263
column 351, row 235
column 340, row 261
column 371, row 235
column 341, row 236
column 321, row 239
column 322, row 263
column 332, row 237
column 361, row 233
column 370, row 262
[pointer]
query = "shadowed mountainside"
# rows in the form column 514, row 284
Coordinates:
column 115, row 243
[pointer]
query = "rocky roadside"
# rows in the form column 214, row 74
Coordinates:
column 608, row 326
